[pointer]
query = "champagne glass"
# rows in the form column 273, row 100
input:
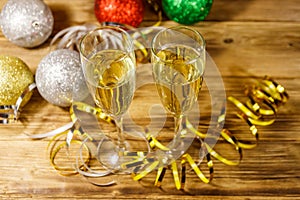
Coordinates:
column 108, row 62
column 178, row 61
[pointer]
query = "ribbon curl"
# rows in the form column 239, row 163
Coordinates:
column 264, row 98
column 10, row 113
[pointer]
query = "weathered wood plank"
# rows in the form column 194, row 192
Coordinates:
column 247, row 40
column 255, row 10
column 271, row 169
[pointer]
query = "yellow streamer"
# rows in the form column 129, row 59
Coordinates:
column 160, row 175
column 146, row 171
column 175, row 175
column 199, row 173
column 10, row 113
column 260, row 109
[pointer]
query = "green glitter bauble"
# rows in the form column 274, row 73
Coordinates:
column 187, row 11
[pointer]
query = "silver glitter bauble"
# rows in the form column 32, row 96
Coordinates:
column 26, row 23
column 59, row 78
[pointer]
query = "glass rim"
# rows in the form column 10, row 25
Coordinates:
column 154, row 52
column 109, row 27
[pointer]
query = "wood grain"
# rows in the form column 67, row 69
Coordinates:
column 247, row 40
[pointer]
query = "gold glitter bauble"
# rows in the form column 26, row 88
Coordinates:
column 15, row 77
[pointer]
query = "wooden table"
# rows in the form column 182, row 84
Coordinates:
column 247, row 40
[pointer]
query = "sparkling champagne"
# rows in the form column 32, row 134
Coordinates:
column 112, row 81
column 178, row 72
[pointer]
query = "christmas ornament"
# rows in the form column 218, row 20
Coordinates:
column 15, row 78
column 26, row 23
column 59, row 78
column 186, row 12
column 126, row 12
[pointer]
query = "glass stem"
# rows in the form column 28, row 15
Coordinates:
column 177, row 122
column 179, row 127
column 121, row 140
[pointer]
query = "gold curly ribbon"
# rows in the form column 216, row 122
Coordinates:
column 56, row 144
column 179, row 182
column 10, row 113
column 264, row 98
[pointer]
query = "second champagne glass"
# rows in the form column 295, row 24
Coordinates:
column 108, row 61
column 178, row 60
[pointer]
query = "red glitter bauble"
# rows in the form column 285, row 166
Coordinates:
column 128, row 12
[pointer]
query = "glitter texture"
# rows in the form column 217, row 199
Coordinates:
column 15, row 77
column 187, row 12
column 59, row 78
column 26, row 23
column 128, row 12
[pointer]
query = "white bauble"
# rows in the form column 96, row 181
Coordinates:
column 59, row 78
column 26, row 23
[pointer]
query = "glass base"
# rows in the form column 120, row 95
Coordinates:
column 115, row 158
